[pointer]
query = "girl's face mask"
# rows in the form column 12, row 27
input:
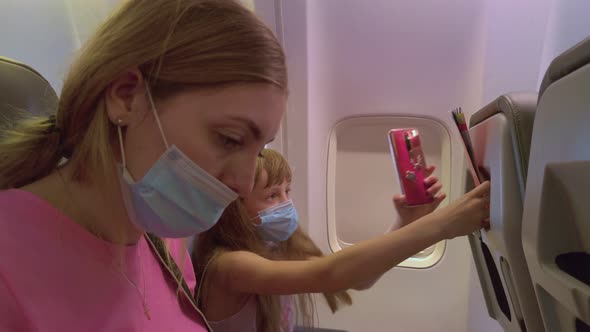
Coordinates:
column 176, row 198
column 278, row 222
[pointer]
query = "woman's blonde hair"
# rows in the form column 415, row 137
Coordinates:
column 175, row 44
column 235, row 231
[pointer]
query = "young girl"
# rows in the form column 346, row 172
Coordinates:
column 160, row 120
column 257, row 252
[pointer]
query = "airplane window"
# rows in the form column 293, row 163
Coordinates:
column 362, row 180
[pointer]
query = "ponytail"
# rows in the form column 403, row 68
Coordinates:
column 29, row 151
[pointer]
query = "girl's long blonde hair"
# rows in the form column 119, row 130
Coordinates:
column 176, row 44
column 234, row 231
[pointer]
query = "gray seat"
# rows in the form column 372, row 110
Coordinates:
column 565, row 64
column 556, row 215
column 501, row 134
column 22, row 88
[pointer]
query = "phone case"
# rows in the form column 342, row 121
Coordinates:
column 410, row 165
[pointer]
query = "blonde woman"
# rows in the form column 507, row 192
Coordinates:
column 160, row 121
column 256, row 256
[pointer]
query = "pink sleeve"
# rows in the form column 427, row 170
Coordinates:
column 12, row 317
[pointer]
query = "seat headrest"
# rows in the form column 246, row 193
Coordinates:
column 566, row 63
column 22, row 88
column 519, row 108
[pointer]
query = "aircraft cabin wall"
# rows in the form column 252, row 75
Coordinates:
column 408, row 62
column 359, row 59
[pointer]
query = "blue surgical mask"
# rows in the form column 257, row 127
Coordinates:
column 175, row 198
column 278, row 222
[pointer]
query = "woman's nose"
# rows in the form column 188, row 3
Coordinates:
column 240, row 179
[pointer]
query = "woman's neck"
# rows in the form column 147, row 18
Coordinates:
column 94, row 205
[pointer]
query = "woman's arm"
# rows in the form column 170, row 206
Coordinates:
column 247, row 272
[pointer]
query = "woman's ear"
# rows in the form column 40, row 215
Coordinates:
column 125, row 97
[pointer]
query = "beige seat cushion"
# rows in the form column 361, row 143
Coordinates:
column 23, row 89
column 566, row 63
column 519, row 109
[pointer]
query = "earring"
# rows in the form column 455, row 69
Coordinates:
column 119, row 122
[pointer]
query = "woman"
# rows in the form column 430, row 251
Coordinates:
column 257, row 255
column 160, row 121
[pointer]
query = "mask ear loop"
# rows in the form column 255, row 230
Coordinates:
column 121, row 147
column 149, row 95
column 256, row 220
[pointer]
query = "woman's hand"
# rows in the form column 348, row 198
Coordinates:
column 409, row 214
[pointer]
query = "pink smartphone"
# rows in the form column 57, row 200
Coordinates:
column 409, row 164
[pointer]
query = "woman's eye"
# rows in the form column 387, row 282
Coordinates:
column 229, row 142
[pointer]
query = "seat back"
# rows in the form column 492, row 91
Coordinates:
column 501, row 134
column 556, row 216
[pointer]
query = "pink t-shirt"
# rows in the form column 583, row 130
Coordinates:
column 56, row 276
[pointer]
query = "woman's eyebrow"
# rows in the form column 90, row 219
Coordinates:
column 252, row 126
